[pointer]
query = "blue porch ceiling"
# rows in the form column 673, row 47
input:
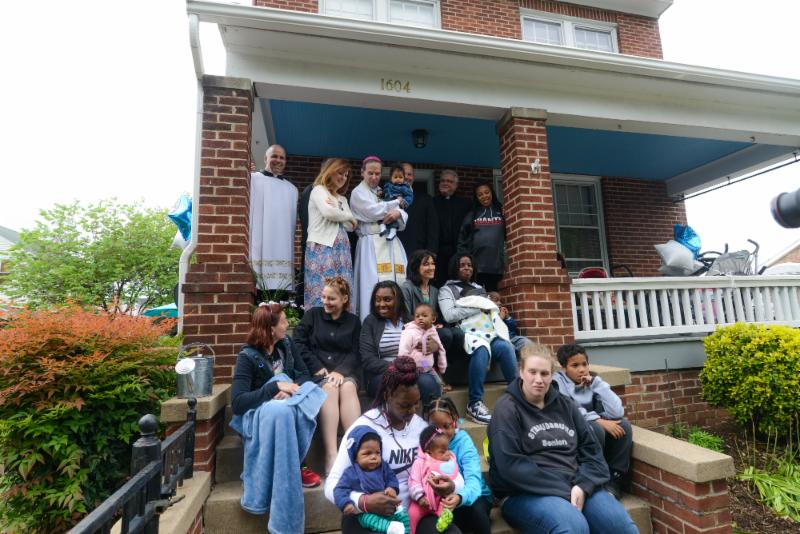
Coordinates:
column 328, row 130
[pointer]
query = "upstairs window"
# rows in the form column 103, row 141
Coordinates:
column 422, row 13
column 547, row 28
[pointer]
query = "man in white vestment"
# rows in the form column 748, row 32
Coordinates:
column 273, row 215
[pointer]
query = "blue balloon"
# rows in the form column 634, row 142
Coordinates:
column 181, row 215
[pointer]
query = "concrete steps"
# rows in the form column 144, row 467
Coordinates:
column 224, row 515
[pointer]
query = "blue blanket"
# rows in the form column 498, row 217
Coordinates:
column 276, row 436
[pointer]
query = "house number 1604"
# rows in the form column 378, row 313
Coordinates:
column 398, row 86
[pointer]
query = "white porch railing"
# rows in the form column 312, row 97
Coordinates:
column 612, row 308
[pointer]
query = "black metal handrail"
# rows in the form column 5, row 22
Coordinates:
column 157, row 470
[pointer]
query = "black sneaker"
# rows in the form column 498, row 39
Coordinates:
column 613, row 488
column 478, row 412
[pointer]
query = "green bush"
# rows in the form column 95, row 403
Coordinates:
column 754, row 372
column 73, row 385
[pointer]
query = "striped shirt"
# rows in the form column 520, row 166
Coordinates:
column 390, row 341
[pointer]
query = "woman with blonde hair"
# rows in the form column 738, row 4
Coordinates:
column 545, row 465
column 329, row 220
column 328, row 339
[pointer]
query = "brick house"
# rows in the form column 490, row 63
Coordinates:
column 619, row 135
column 498, row 85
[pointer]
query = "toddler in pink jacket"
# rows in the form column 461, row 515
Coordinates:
column 416, row 341
column 433, row 459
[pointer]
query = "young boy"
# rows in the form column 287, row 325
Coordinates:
column 396, row 188
column 369, row 474
column 517, row 340
column 601, row 407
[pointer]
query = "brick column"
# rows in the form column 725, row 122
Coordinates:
column 535, row 285
column 219, row 286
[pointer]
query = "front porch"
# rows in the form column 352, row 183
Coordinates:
column 628, row 135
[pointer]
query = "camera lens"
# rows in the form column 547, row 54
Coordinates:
column 786, row 209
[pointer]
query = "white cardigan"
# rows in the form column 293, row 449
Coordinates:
column 324, row 218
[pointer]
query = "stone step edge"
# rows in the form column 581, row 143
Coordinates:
column 636, row 507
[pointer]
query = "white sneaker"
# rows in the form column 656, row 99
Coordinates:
column 396, row 527
column 478, row 412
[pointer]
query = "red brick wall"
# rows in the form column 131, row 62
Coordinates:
column 311, row 6
column 636, row 35
column 219, row 285
column 535, row 286
column 207, row 435
column 680, row 506
column 499, row 18
column 648, row 405
column 626, row 203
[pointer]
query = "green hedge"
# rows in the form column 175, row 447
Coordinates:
column 754, row 372
column 73, row 384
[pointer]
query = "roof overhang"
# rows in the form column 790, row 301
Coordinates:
column 646, row 8
column 312, row 58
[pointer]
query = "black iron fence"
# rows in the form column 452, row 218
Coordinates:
column 157, row 470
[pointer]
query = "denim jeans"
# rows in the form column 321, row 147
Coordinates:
column 536, row 514
column 502, row 351
column 617, row 452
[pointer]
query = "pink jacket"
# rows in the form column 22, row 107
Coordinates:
column 411, row 336
column 423, row 466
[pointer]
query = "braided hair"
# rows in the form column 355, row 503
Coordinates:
column 441, row 404
column 401, row 372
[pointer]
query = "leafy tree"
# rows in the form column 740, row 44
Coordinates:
column 112, row 255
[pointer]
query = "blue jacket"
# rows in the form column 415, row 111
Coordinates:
column 392, row 191
column 469, row 462
column 356, row 479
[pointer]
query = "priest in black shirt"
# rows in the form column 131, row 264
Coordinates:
column 422, row 228
column 451, row 211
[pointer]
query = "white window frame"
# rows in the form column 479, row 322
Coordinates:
column 568, row 25
column 380, row 11
column 574, row 179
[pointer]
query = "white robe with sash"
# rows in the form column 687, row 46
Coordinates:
column 376, row 257
column 273, row 217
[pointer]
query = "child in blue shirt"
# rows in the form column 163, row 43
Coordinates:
column 369, row 473
column 396, row 188
column 601, row 408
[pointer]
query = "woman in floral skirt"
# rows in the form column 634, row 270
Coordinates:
column 329, row 220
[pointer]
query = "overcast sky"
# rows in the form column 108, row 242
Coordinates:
column 99, row 101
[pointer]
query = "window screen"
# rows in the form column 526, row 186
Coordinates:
column 545, row 32
column 592, row 39
column 412, row 13
column 357, row 9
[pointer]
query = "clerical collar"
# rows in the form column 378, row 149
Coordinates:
column 265, row 172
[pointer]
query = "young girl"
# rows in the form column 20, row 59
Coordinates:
column 420, row 340
column 473, row 502
column 433, row 458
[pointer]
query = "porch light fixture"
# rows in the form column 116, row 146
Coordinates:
column 420, row 138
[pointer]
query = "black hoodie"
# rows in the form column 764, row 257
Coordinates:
column 542, row 452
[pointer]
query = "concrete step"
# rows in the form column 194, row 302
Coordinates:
column 223, row 514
